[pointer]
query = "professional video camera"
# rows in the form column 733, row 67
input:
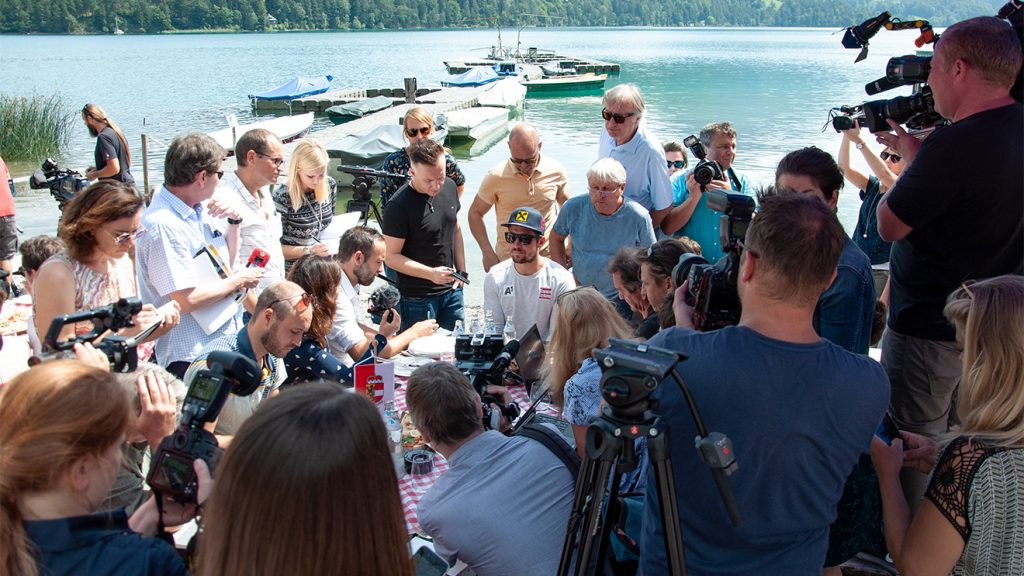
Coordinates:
column 171, row 473
column 363, row 180
column 706, row 170
column 63, row 184
column 121, row 351
column 712, row 289
column 483, row 358
column 916, row 111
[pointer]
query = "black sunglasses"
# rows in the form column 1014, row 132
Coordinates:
column 891, row 157
column 677, row 164
column 524, row 239
column 412, row 132
column 524, row 160
column 619, row 118
column 220, row 174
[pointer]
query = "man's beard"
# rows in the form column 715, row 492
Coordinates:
column 523, row 258
column 365, row 275
column 271, row 345
column 92, row 130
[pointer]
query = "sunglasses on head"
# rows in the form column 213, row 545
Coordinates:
column 891, row 157
column 677, row 164
column 619, row 118
column 524, row 239
column 412, row 132
column 305, row 301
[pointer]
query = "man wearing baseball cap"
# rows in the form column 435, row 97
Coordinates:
column 525, row 287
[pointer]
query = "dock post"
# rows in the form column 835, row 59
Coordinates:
column 410, row 90
column 145, row 166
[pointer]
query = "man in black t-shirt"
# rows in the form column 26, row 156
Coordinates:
column 954, row 215
column 112, row 157
column 424, row 241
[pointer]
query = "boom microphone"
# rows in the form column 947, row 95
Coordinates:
column 384, row 298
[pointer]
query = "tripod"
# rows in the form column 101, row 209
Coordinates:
column 362, row 196
column 630, row 373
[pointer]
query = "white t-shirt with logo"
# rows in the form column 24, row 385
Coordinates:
column 527, row 300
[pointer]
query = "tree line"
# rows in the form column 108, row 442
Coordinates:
column 153, row 16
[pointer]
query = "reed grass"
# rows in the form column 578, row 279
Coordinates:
column 33, row 127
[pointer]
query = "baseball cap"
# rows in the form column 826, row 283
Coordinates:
column 526, row 217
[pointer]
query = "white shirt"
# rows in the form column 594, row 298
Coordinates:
column 260, row 228
column 527, row 300
column 346, row 332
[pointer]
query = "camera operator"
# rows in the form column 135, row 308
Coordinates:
column 503, row 504
column 955, row 213
column 690, row 215
column 799, row 409
column 281, row 317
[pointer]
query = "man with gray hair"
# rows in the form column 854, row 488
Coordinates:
column 691, row 215
column 180, row 222
column 600, row 224
column 626, row 139
column 260, row 157
column 527, row 178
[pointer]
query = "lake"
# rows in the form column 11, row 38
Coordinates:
column 775, row 85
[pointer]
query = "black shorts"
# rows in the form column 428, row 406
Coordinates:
column 8, row 237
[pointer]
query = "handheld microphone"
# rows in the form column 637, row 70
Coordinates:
column 258, row 258
column 384, row 299
column 503, row 360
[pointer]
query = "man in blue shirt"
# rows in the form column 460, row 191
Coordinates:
column 691, row 215
column 799, row 409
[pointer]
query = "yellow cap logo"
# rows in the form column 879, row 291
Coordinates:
column 522, row 216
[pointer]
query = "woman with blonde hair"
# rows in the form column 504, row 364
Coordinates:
column 307, row 486
column 416, row 125
column 99, row 229
column 584, row 320
column 306, row 203
column 113, row 157
column 972, row 515
column 62, row 424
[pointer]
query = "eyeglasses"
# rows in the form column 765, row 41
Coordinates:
column 677, row 164
column 524, row 239
column 278, row 162
column 125, row 237
column 412, row 132
column 743, row 247
column 219, row 173
column 305, row 301
column 601, row 192
column 526, row 161
column 889, row 156
column 619, row 118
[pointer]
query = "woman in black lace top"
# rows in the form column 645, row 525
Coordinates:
column 972, row 516
column 306, row 203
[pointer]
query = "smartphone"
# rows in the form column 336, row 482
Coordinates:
column 428, row 563
column 455, row 274
column 887, row 430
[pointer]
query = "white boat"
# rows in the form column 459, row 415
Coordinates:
column 505, row 93
column 286, row 128
column 476, row 123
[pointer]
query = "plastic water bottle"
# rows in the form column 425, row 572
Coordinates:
column 509, row 332
column 393, row 422
column 458, row 329
column 489, row 327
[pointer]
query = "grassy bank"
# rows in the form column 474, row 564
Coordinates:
column 33, row 127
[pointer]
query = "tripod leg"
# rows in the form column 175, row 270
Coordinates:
column 657, row 449
column 587, row 561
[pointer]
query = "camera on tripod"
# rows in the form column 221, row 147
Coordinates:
column 171, row 473
column 63, row 184
column 120, row 350
column 706, row 170
column 483, row 358
column 364, row 179
column 712, row 287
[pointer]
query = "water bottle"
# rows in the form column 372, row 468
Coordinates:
column 509, row 332
column 489, row 323
column 458, row 329
column 393, row 422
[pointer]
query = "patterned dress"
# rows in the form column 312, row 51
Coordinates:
column 302, row 227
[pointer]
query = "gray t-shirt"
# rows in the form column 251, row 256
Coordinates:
column 596, row 238
column 527, row 300
column 501, row 508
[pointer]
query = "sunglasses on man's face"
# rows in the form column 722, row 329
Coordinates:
column 412, row 132
column 677, row 164
column 889, row 156
column 619, row 118
column 524, row 239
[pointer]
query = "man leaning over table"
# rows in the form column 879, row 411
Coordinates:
column 503, row 505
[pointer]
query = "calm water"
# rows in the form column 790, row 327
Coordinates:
column 774, row 85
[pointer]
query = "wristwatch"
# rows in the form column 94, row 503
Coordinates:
column 860, row 145
column 234, row 221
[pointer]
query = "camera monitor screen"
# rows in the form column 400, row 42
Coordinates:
column 204, row 387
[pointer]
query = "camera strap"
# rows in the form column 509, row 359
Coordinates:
column 734, row 179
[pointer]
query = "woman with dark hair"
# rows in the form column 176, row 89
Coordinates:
column 312, row 361
column 656, row 265
column 625, row 272
column 307, row 486
column 417, row 125
column 62, row 424
column 99, row 228
column 972, row 514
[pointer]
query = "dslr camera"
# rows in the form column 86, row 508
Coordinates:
column 120, row 350
column 706, row 170
column 712, row 287
column 483, row 358
column 171, row 473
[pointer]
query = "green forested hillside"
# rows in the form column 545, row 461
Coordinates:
column 147, row 16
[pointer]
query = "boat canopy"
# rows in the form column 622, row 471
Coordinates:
column 360, row 108
column 475, row 76
column 506, row 93
column 297, row 88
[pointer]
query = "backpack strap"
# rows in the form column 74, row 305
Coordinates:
column 554, row 442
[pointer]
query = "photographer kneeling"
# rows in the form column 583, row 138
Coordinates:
column 503, row 505
column 799, row 409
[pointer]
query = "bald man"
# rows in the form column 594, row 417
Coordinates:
column 526, row 179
